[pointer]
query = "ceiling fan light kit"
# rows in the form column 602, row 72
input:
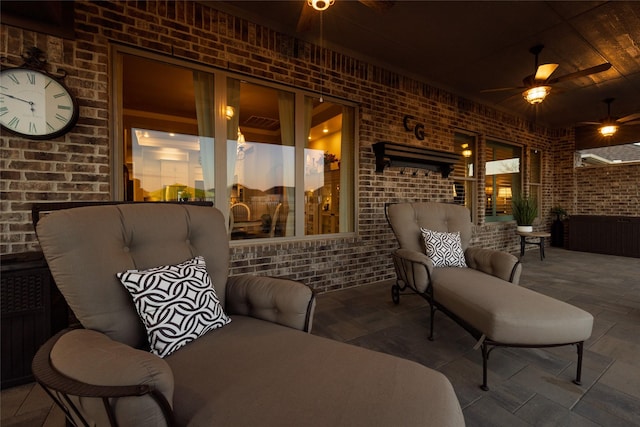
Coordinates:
column 536, row 94
column 320, row 4
column 608, row 130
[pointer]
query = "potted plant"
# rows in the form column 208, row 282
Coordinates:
column 525, row 210
column 557, row 228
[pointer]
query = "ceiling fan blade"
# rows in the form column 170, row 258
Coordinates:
column 501, row 89
column 380, row 6
column 586, row 72
column 589, row 123
column 629, row 118
column 544, row 71
column 305, row 20
column 635, row 122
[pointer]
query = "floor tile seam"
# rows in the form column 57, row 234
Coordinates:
column 18, row 411
column 602, row 335
column 595, row 381
column 514, row 412
column 52, row 413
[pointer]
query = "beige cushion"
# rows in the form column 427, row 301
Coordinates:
column 84, row 259
column 508, row 313
column 407, row 218
column 94, row 358
column 255, row 373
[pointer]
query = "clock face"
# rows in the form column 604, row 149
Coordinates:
column 35, row 105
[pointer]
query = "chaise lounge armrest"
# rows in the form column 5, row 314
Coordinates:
column 413, row 268
column 92, row 370
column 276, row 300
column 496, row 263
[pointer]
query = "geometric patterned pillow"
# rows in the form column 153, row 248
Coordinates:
column 444, row 249
column 177, row 303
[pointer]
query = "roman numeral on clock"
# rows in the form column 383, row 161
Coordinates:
column 14, row 122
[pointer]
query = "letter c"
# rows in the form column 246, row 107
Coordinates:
column 419, row 131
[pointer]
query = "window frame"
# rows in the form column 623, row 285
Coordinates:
column 220, row 150
column 536, row 188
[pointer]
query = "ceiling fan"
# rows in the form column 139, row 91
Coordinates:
column 310, row 10
column 538, row 85
column 609, row 125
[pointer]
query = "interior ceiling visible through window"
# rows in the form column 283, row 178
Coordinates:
column 147, row 82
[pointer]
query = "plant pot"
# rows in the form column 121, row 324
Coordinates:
column 525, row 228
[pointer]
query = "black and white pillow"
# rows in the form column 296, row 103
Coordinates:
column 444, row 249
column 177, row 303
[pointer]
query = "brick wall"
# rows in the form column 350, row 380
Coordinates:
column 608, row 190
column 77, row 165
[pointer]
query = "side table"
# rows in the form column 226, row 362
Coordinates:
column 538, row 235
column 32, row 311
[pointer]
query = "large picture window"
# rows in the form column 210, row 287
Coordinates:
column 502, row 179
column 276, row 161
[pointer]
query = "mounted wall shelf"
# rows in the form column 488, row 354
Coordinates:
column 391, row 154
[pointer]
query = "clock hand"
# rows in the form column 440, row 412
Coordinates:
column 19, row 99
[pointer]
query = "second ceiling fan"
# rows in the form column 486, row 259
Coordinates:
column 538, row 85
column 609, row 125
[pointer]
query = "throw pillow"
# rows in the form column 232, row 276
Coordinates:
column 177, row 303
column 444, row 249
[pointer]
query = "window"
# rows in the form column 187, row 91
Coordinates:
column 502, row 180
column 328, row 188
column 277, row 161
column 163, row 139
column 535, row 181
column 260, row 160
column 463, row 175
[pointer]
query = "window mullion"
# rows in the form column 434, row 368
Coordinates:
column 300, row 143
column 220, row 151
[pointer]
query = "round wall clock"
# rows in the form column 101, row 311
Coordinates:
column 35, row 105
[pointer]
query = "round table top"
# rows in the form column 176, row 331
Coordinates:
column 534, row 233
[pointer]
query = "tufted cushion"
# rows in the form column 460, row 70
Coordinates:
column 406, row 219
column 85, row 248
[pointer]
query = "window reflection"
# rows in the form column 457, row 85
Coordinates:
column 168, row 132
column 261, row 161
column 166, row 167
column 502, row 181
column 327, row 183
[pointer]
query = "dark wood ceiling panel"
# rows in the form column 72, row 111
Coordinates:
column 614, row 30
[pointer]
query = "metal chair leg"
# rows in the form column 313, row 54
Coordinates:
column 485, row 358
column 578, row 380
